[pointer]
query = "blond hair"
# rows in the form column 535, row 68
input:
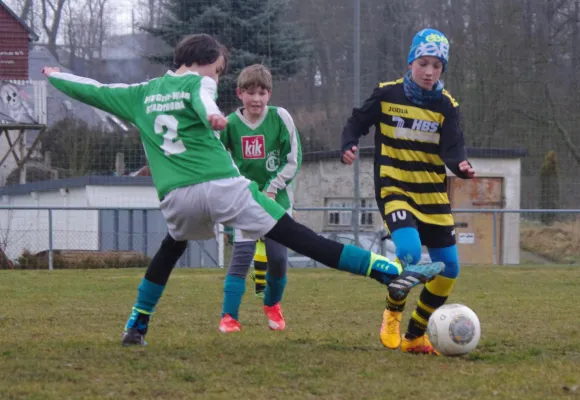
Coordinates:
column 255, row 76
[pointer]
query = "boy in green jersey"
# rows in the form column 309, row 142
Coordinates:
column 198, row 183
column 265, row 145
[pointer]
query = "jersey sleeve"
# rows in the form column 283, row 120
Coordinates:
column 361, row 120
column 225, row 136
column 452, row 147
column 290, row 155
column 118, row 99
column 203, row 100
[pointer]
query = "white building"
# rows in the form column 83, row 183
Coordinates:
column 128, row 219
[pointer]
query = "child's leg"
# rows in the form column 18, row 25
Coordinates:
column 187, row 217
column 152, row 286
column 260, row 267
column 276, row 276
column 436, row 292
column 235, row 282
column 440, row 240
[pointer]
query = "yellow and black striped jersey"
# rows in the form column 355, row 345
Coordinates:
column 413, row 144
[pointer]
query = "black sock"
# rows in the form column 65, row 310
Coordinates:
column 164, row 260
column 305, row 241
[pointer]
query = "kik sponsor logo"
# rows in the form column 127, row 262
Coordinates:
column 253, row 147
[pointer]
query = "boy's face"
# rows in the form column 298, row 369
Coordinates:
column 426, row 71
column 255, row 99
column 212, row 70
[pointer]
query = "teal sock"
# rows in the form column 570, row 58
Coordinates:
column 355, row 260
column 234, row 289
column 361, row 262
column 274, row 290
column 148, row 296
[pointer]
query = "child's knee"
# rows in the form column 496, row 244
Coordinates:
column 449, row 257
column 407, row 245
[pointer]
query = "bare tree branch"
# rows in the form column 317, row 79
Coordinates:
column 567, row 137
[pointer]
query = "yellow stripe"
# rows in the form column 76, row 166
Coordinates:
column 260, row 258
column 409, row 134
column 453, row 101
column 434, row 219
column 418, row 318
column 411, row 112
column 440, row 286
column 411, row 176
column 142, row 311
column 260, row 251
column 419, row 198
column 425, row 307
column 383, row 84
column 411, row 155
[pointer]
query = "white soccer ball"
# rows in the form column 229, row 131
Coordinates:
column 454, row 330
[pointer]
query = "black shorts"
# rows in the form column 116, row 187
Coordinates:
column 432, row 236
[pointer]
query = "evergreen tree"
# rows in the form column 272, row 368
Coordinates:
column 254, row 31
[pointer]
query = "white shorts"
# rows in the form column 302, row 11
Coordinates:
column 241, row 236
column 192, row 211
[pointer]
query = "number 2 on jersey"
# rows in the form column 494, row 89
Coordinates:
column 166, row 125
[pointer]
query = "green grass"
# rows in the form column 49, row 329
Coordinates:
column 60, row 334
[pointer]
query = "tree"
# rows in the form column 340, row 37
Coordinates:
column 549, row 187
column 86, row 29
column 254, row 31
column 84, row 150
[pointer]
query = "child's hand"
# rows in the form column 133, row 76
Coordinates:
column 218, row 122
column 467, row 169
column 50, row 70
column 271, row 195
column 349, row 156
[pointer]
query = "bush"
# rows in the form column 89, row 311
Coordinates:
column 82, row 259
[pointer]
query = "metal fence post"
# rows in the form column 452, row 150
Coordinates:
column 356, row 57
column 494, row 238
column 50, row 242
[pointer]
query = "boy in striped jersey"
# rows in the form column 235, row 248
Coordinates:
column 265, row 145
column 197, row 182
column 417, row 135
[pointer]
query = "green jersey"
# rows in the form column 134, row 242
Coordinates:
column 267, row 152
column 171, row 113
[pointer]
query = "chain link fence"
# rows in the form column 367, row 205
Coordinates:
column 507, row 60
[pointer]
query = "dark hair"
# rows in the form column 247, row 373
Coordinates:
column 200, row 49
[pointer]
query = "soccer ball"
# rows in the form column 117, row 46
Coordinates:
column 454, row 330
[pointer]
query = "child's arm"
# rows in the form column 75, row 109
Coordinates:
column 452, row 147
column 118, row 99
column 203, row 102
column 358, row 125
column 290, row 157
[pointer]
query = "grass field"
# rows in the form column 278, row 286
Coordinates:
column 60, row 335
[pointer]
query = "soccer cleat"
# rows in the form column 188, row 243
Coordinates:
column 131, row 337
column 275, row 318
column 136, row 329
column 419, row 345
column 411, row 276
column 229, row 324
column 391, row 329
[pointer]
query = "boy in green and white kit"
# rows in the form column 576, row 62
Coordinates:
column 198, row 183
column 265, row 145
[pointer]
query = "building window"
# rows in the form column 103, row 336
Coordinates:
column 340, row 218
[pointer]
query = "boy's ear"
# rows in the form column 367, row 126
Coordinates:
column 239, row 93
